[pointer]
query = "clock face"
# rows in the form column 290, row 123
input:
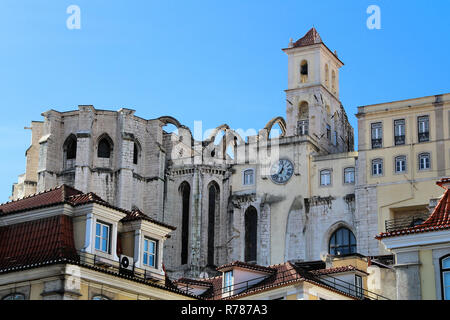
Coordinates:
column 281, row 171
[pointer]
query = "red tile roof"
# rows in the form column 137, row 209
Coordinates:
column 36, row 242
column 246, row 265
column 310, row 38
column 438, row 220
column 65, row 194
column 322, row 272
column 283, row 275
column 47, row 198
column 136, row 214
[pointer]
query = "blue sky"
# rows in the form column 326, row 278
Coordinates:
column 214, row 61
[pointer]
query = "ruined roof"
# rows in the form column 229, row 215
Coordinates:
column 437, row 221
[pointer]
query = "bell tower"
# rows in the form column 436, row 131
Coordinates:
column 312, row 96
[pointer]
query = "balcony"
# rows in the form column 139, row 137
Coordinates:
column 377, row 143
column 403, row 223
column 399, row 140
column 424, row 136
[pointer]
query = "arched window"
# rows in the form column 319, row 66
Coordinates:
column 70, row 152
column 14, row 296
column 100, row 297
column 327, row 75
column 251, row 230
column 104, row 148
column 213, row 208
column 342, row 242
column 185, row 191
column 445, row 277
column 304, row 71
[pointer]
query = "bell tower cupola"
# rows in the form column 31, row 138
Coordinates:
column 312, row 96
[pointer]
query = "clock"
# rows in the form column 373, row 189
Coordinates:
column 281, row 171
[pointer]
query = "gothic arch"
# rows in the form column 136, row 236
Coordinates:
column 332, row 229
column 213, row 220
column 251, row 234
column 170, row 120
column 185, row 194
column 105, row 146
column 278, row 120
column 137, row 152
column 70, row 151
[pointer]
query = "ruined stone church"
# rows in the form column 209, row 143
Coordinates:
column 270, row 200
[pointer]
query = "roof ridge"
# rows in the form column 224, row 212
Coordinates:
column 33, row 195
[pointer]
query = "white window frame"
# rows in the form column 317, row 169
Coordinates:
column 244, row 182
column 424, row 155
column 378, row 162
column 359, row 286
column 323, row 173
column 228, row 281
column 397, row 159
column 154, row 254
column 345, row 175
column 101, row 237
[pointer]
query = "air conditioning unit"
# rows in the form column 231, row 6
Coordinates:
column 126, row 263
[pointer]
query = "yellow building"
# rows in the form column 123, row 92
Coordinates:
column 63, row 244
column 422, row 254
column 403, row 148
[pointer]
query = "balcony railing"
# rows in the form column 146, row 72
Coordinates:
column 424, row 136
column 399, row 140
column 377, row 143
column 403, row 223
column 264, row 282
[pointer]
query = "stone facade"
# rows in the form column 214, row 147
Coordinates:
column 169, row 176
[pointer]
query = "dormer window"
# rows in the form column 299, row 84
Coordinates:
column 102, row 237
column 150, row 249
column 228, row 281
column 304, row 71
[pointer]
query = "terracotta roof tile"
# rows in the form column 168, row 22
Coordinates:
column 310, row 38
column 37, row 241
column 246, row 265
column 66, row 194
column 284, row 274
column 437, row 221
column 43, row 199
column 322, row 272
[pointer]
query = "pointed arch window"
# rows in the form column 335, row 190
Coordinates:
column 304, row 71
column 213, row 208
column 185, row 191
column 104, row 148
column 70, row 152
column 251, row 228
column 342, row 242
column 136, row 153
